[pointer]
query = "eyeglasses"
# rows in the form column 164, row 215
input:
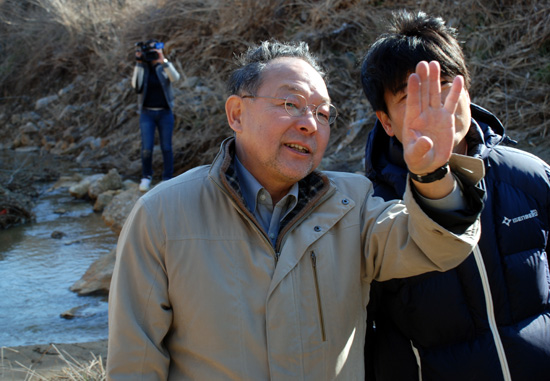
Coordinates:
column 296, row 105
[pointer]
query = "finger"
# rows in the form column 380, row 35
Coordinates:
column 451, row 102
column 422, row 147
column 435, row 84
column 413, row 102
column 419, row 155
column 423, row 71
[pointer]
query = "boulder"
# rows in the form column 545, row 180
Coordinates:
column 67, row 181
column 80, row 190
column 120, row 207
column 103, row 200
column 97, row 278
column 15, row 208
column 110, row 181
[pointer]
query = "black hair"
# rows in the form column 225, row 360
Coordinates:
column 248, row 75
column 413, row 37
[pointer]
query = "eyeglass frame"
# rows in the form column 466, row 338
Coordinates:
column 303, row 111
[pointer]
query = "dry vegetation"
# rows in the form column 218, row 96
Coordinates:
column 70, row 368
column 47, row 45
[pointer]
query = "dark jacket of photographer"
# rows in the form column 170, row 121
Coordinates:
column 440, row 320
column 166, row 74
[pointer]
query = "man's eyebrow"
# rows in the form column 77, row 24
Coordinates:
column 297, row 90
column 289, row 88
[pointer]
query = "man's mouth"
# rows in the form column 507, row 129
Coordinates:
column 298, row 148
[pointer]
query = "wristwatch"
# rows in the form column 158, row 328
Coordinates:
column 438, row 174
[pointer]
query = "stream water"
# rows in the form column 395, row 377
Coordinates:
column 37, row 270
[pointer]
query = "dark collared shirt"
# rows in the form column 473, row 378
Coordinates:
column 259, row 202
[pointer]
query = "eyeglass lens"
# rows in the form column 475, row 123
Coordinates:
column 296, row 105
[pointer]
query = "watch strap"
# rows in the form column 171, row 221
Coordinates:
column 438, row 174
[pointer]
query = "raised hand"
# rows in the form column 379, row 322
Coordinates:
column 429, row 125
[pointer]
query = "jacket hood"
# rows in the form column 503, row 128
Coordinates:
column 384, row 154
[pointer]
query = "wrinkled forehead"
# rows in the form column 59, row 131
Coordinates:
column 293, row 74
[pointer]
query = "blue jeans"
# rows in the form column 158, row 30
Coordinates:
column 149, row 120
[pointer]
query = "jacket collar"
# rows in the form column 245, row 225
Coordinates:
column 310, row 189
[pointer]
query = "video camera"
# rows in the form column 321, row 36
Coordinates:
column 147, row 50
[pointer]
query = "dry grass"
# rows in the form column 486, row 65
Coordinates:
column 77, row 371
column 53, row 42
column 73, row 369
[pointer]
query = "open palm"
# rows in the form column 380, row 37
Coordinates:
column 429, row 125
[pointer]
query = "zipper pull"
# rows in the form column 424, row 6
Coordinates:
column 277, row 255
column 313, row 259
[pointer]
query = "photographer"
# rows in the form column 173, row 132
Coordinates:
column 152, row 79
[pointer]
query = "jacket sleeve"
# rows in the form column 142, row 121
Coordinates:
column 402, row 240
column 171, row 71
column 458, row 221
column 139, row 308
column 137, row 78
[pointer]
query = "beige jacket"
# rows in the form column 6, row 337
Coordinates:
column 197, row 293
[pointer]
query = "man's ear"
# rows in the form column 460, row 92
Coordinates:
column 233, row 111
column 467, row 94
column 386, row 122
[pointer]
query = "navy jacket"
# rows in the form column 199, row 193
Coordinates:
column 450, row 323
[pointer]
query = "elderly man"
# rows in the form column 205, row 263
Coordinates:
column 258, row 266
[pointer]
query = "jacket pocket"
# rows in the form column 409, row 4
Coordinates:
column 318, row 294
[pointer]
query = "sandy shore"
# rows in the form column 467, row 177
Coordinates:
column 45, row 361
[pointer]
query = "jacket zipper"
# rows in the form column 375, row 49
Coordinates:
column 491, row 314
column 418, row 362
column 490, row 317
column 321, row 319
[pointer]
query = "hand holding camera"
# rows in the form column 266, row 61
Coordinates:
column 150, row 51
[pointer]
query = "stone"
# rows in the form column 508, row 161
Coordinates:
column 97, row 279
column 103, row 200
column 67, row 181
column 80, row 190
column 56, row 234
column 115, row 214
column 110, row 181
column 43, row 102
column 29, row 128
column 74, row 312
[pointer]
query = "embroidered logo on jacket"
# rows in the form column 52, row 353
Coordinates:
column 532, row 214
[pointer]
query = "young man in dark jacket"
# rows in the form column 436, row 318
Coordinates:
column 488, row 319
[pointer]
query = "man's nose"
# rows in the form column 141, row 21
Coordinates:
column 308, row 120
